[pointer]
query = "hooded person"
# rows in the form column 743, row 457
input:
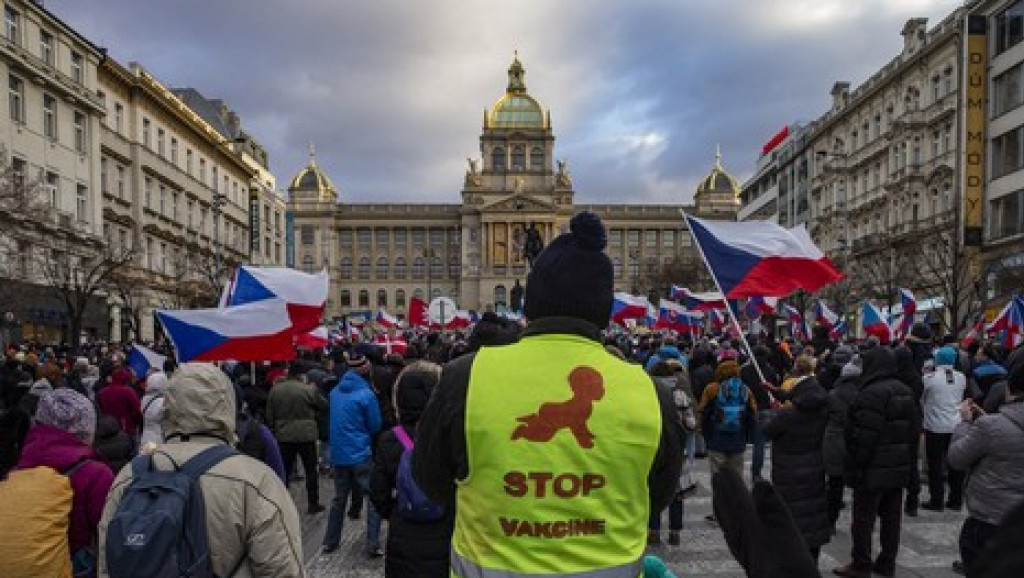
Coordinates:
column 62, row 440
column 415, row 548
column 113, row 444
column 251, row 521
column 844, row 391
column 153, row 409
column 575, row 408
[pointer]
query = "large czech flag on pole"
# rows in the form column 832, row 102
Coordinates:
column 257, row 331
column 873, row 323
column 761, row 258
column 305, row 294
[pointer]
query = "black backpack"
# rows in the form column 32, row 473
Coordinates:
column 250, row 442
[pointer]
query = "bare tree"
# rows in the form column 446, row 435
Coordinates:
column 942, row 264
column 688, row 272
column 127, row 286
column 78, row 272
column 24, row 212
column 880, row 274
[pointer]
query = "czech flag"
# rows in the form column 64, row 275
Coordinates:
column 257, row 331
column 975, row 334
column 319, row 338
column 717, row 320
column 825, row 315
column 909, row 305
column 762, row 258
column 759, row 305
column 698, row 301
column 142, row 360
column 385, row 320
column 304, row 293
column 1010, row 321
column 352, row 332
column 838, row 331
column 673, row 316
column 626, row 306
column 796, row 320
column 873, row 323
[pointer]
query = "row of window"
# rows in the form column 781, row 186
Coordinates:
column 515, row 158
column 50, row 119
column 51, row 183
column 1006, row 216
column 1009, row 29
column 650, row 237
column 419, row 268
column 13, row 30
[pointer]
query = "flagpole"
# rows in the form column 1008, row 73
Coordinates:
column 732, row 314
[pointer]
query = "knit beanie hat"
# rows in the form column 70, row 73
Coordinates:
column 842, row 355
column 356, row 361
column 920, row 333
column 68, row 410
column 852, row 368
column 573, row 277
column 945, row 356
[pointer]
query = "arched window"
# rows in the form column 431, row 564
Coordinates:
column 498, row 159
column 364, row 267
column 400, row 298
column 537, row 159
column 500, row 296
column 346, row 298
column 435, row 293
column 454, row 269
column 307, row 263
column 346, row 268
column 382, row 298
column 364, row 298
column 400, row 268
column 436, row 268
column 382, row 267
column 417, row 268
column 518, row 158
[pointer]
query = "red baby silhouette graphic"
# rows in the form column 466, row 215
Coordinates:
column 587, row 386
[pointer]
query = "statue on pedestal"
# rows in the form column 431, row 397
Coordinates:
column 534, row 244
column 516, row 297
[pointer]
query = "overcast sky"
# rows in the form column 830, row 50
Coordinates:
column 392, row 92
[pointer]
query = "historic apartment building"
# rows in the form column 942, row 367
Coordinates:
column 50, row 204
column 380, row 255
column 779, row 190
column 175, row 193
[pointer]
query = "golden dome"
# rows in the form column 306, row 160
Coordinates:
column 718, row 181
column 517, row 109
column 311, row 178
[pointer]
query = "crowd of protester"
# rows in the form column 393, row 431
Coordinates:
column 843, row 421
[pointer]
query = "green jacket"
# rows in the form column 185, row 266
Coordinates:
column 292, row 407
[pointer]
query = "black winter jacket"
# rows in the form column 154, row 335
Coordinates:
column 113, row 444
column 839, row 401
column 798, row 468
column 414, row 548
column 880, row 426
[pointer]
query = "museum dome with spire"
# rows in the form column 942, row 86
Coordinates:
column 718, row 192
column 312, row 179
column 517, row 109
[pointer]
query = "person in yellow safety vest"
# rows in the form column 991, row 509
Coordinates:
column 552, row 451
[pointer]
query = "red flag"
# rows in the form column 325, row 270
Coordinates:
column 418, row 313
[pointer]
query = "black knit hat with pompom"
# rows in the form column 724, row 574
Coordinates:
column 573, row 277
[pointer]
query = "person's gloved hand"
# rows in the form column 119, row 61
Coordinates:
column 654, row 567
column 759, row 529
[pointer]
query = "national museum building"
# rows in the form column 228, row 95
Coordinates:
column 380, row 255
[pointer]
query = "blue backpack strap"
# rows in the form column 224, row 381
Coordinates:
column 206, row 459
column 141, row 464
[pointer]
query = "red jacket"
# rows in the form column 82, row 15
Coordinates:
column 123, row 403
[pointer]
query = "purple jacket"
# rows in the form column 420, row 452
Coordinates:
column 273, row 456
column 60, row 450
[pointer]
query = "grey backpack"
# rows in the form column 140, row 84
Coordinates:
column 159, row 528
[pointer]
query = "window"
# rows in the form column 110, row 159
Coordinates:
column 163, row 199
column 537, row 159
column 346, row 268
column 150, row 257
column 16, row 98
column 308, row 234
column 936, row 88
column 418, row 237
column 148, row 187
column 120, row 182
column 1006, row 153
column 307, row 263
column 1005, row 216
column 498, row 159
column 668, row 238
column 346, row 298
column 436, row 268
column 364, row 298
column 634, row 238
column 650, row 238
column 382, row 238
column 174, row 205
column 1006, row 90
column 454, row 268
column 400, row 268
column 382, row 267
column 174, row 150
column 46, row 47
column 400, row 298
column 617, row 266
column 364, row 267
column 53, row 189
column 615, row 238
column 1009, row 27
column 145, row 132
column 80, row 136
column 12, row 24
column 652, row 266
column 436, row 237
column 363, row 237
column 118, row 116
column 499, row 296
column 518, row 158
column 202, row 171
column 382, row 298
column 936, row 141
column 189, row 214
column 49, row 117
column 76, row 67
column 214, row 184
column 417, row 268
column 103, row 176
column 345, row 237
column 82, row 203
column 122, row 239
column 188, row 161
column 400, row 235
column 947, row 81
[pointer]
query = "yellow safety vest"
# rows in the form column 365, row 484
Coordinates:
column 560, row 438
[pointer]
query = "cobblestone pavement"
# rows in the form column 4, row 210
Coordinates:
column 927, row 548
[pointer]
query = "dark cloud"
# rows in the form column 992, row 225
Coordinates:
column 392, row 92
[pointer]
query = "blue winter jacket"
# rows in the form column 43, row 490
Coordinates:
column 665, row 353
column 355, row 420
